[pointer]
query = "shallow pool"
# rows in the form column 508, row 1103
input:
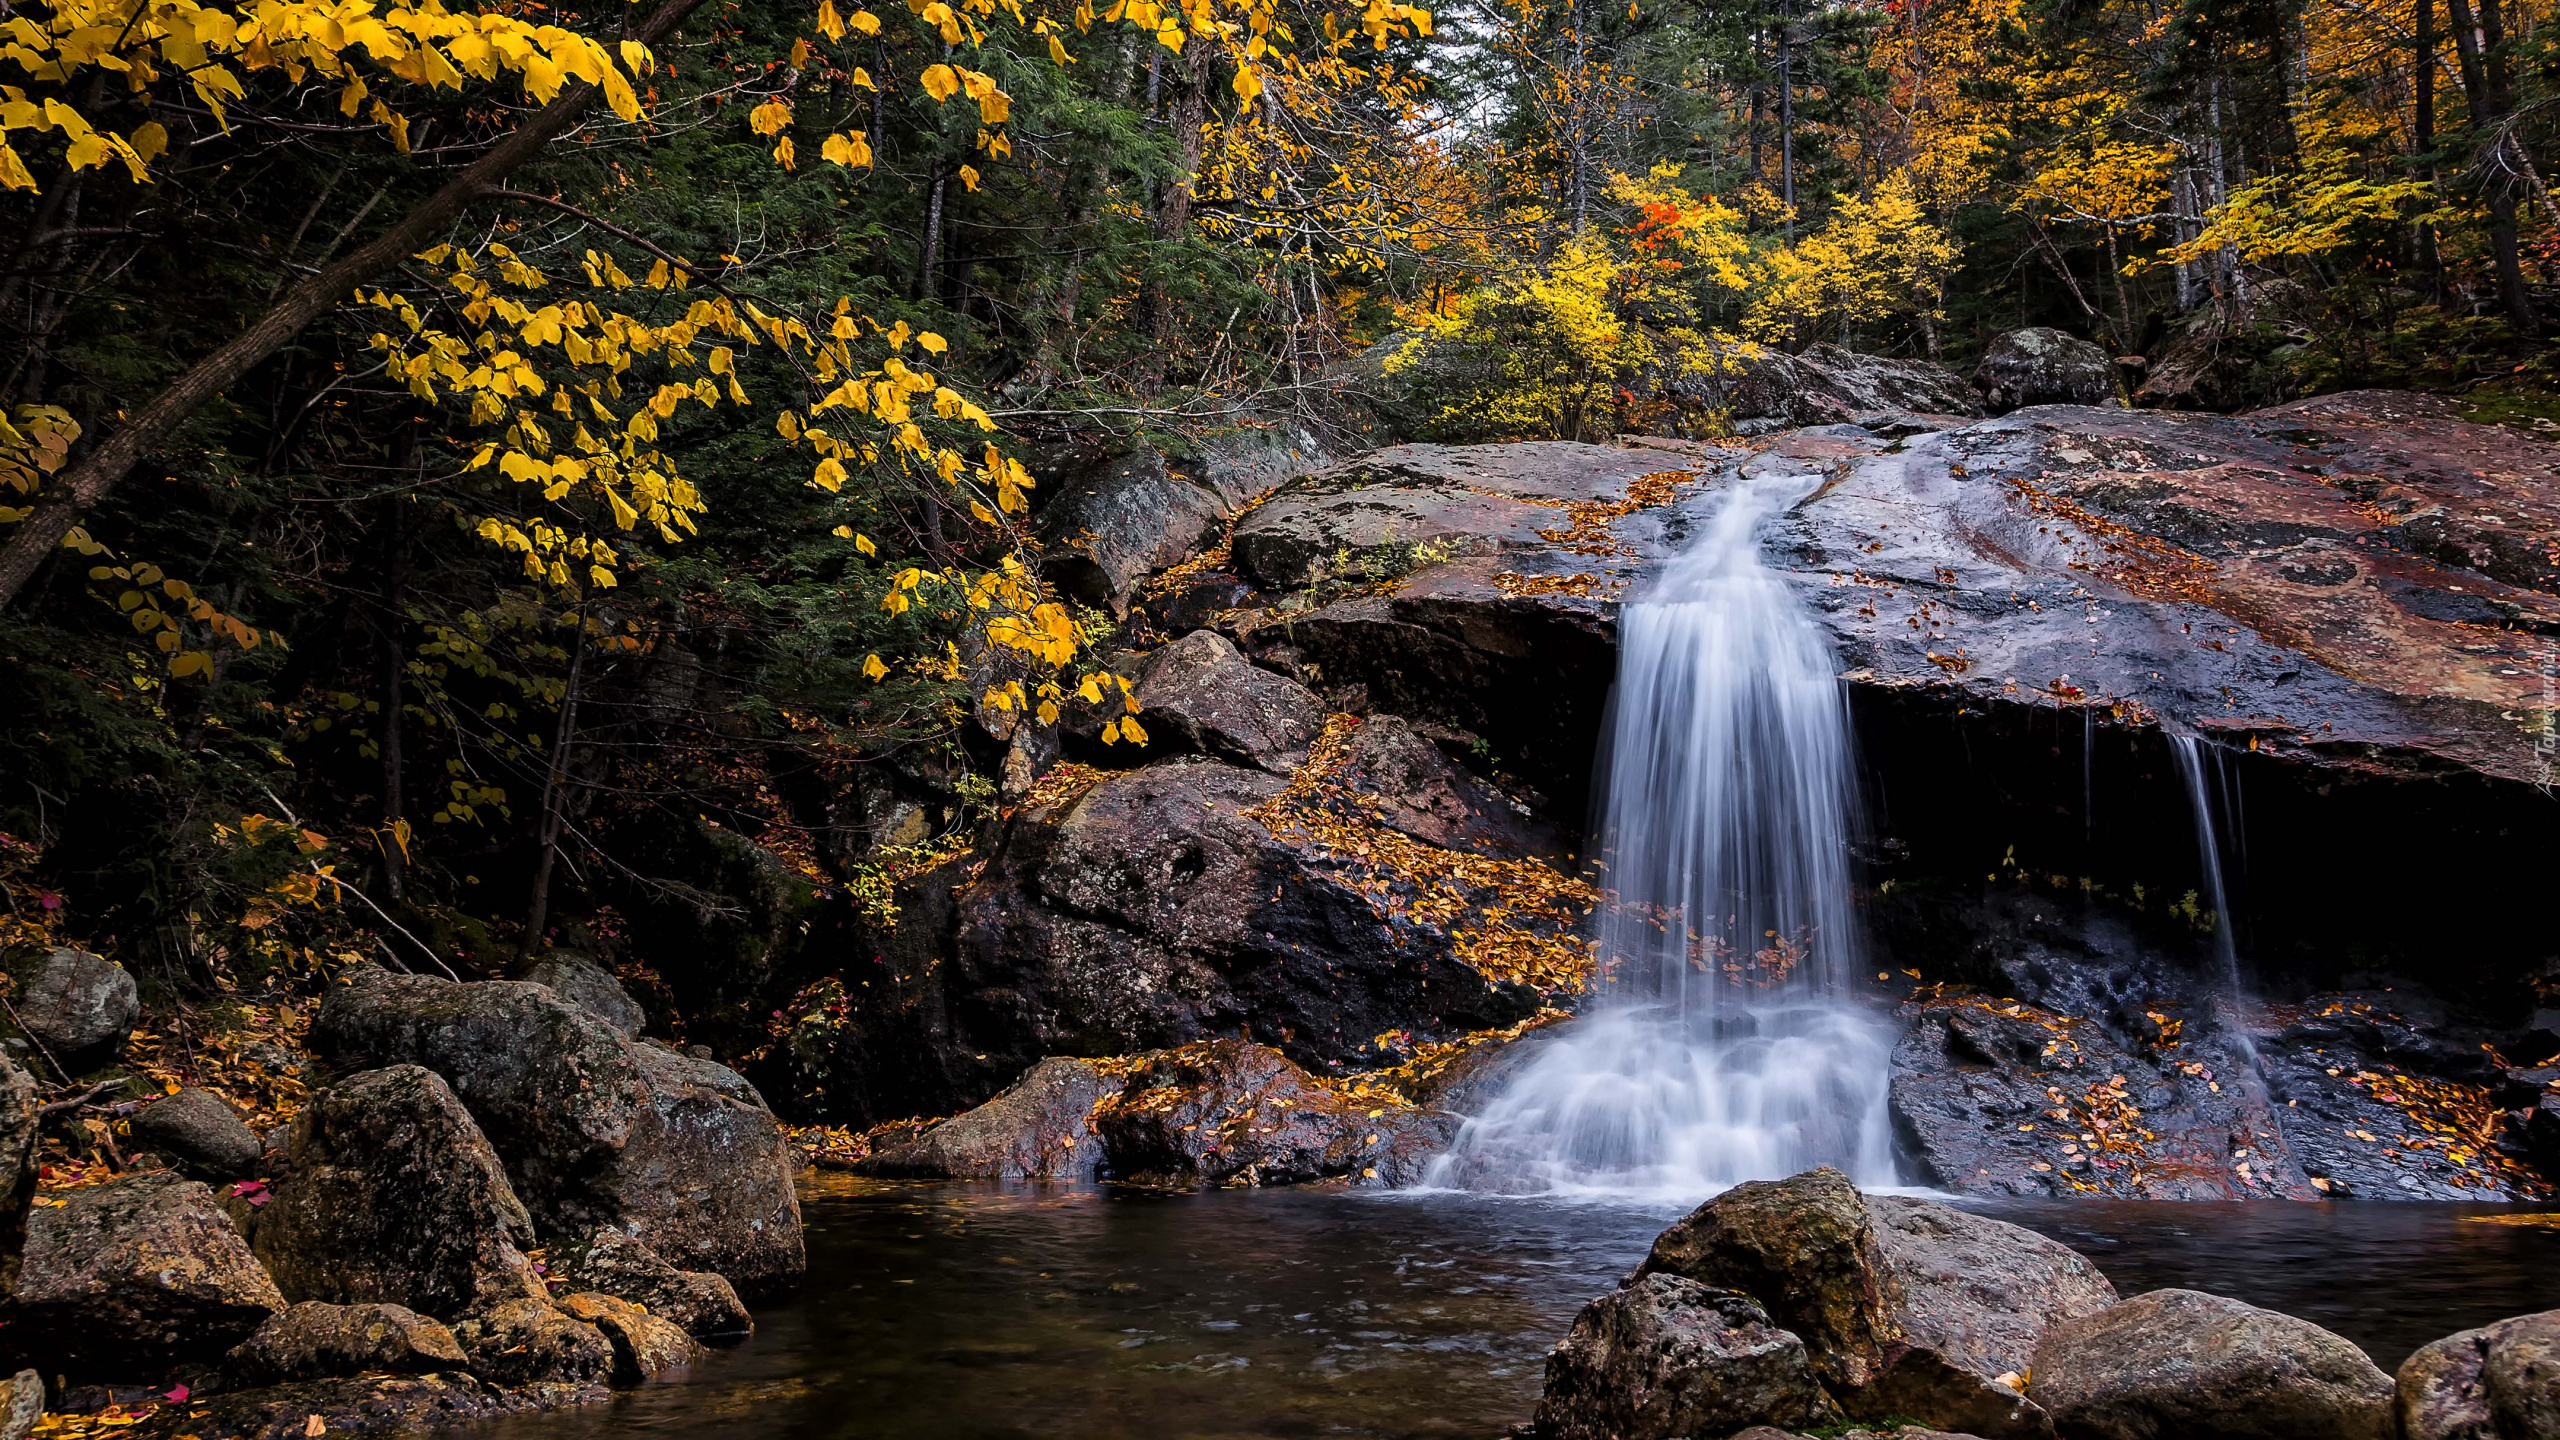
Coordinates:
column 960, row 1311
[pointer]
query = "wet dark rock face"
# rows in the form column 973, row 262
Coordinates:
column 2075, row 1055
column 1160, row 912
column 1193, row 899
column 2018, row 604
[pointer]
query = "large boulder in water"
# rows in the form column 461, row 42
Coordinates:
column 1040, row 1128
column 596, row 1128
column 1233, row 1111
column 1905, row 1307
column 1666, row 1358
column 2043, row 366
column 127, row 1278
column 2185, row 1363
column 2497, row 1382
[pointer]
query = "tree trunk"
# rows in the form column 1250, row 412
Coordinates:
column 394, row 666
column 79, row 488
column 1787, row 113
column 1173, row 216
column 921, row 286
column 2422, row 140
column 2479, row 39
column 554, row 795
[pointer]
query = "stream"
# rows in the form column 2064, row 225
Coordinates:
column 975, row 1310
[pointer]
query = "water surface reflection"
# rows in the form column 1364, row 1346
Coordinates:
column 966, row 1311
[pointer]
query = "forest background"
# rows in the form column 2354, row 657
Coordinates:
column 486, row 478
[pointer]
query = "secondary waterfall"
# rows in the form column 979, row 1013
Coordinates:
column 1719, row 1050
column 2195, row 757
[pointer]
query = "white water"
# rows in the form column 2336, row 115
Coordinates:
column 1720, row 1050
column 2194, row 756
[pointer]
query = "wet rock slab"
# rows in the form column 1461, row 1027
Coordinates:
column 2353, row 582
column 2182, row 1362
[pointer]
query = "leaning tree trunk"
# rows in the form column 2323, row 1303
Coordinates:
column 77, row 491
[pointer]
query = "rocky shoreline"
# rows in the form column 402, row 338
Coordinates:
column 499, row 1200
column 1800, row 1306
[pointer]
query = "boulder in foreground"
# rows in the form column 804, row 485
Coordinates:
column 312, row 1341
column 2202, row 1367
column 595, row 1128
column 1906, row 1308
column 132, row 1276
column 1665, row 1358
column 395, row 1198
column 2498, row 1382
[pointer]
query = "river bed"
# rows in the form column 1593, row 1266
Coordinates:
column 971, row 1312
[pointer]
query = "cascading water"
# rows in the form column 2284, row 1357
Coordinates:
column 1720, row 1051
column 2193, row 756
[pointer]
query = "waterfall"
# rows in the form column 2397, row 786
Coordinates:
column 1720, row 1049
column 2194, row 757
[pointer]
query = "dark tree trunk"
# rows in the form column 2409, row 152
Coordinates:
column 1173, row 216
column 555, row 802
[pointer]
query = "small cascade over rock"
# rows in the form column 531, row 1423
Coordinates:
column 1720, row 1051
column 2195, row 759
